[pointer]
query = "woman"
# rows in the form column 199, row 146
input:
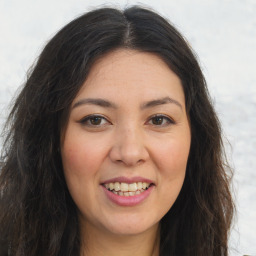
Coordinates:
column 113, row 146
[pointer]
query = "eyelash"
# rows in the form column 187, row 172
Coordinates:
column 85, row 121
column 167, row 119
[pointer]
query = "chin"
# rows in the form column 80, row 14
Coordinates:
column 130, row 226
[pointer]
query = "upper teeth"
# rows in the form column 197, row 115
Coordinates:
column 124, row 187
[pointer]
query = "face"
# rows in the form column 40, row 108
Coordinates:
column 126, row 144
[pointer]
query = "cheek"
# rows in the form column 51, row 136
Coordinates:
column 172, row 169
column 79, row 157
column 172, row 158
column 73, row 157
column 81, row 164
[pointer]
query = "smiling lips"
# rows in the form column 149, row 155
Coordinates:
column 126, row 189
column 127, row 192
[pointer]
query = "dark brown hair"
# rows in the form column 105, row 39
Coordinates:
column 38, row 215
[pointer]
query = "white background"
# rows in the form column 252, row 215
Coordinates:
column 222, row 32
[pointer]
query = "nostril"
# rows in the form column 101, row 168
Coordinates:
column 129, row 162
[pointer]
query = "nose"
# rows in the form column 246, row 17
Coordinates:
column 129, row 147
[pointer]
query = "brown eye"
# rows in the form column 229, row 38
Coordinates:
column 160, row 120
column 94, row 121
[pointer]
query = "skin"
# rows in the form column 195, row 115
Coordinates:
column 128, row 140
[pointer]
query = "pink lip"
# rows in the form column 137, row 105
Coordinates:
column 128, row 200
column 127, row 180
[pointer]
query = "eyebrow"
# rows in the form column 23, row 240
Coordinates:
column 108, row 104
column 98, row 102
column 161, row 101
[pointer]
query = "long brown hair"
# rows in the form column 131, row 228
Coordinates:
column 38, row 215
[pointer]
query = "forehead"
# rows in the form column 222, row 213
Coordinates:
column 132, row 72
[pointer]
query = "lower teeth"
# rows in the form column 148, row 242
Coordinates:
column 127, row 193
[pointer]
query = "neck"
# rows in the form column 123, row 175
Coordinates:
column 96, row 242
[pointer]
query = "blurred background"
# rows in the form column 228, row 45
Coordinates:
column 222, row 33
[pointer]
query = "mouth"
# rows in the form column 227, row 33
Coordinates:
column 124, row 191
column 127, row 189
